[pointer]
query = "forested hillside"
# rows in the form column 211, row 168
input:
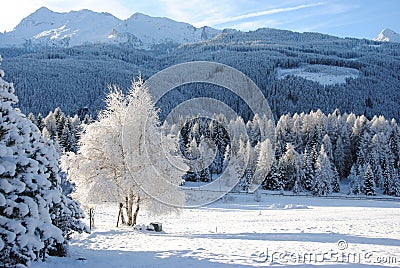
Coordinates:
column 77, row 77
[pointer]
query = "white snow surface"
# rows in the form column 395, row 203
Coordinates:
column 322, row 74
column 239, row 232
column 388, row 35
column 45, row 27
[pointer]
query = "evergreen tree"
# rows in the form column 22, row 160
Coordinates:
column 308, row 170
column 394, row 143
column 379, row 179
column 87, row 119
column 369, row 181
column 46, row 134
column 323, row 175
column 66, row 213
column 57, row 115
column 61, row 121
column 274, row 179
column 32, row 204
column 67, row 139
column 388, row 176
column 192, row 160
column 245, row 182
column 363, row 150
column 226, row 157
column 265, row 158
column 290, row 163
column 395, row 187
column 255, row 130
column 314, row 138
column 206, row 150
column 355, row 186
column 40, row 122
column 326, row 141
column 31, row 117
column 335, row 181
column 344, row 165
column 50, row 125
column 339, row 157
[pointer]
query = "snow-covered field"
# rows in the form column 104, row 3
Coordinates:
column 240, row 232
column 323, row 74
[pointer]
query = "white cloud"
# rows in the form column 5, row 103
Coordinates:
column 255, row 24
column 215, row 13
column 254, row 14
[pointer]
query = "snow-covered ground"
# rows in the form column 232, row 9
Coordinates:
column 240, row 232
column 323, row 74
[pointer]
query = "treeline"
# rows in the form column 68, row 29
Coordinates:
column 62, row 129
column 314, row 152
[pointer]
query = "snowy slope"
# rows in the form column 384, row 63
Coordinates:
column 45, row 27
column 388, row 35
column 240, row 232
column 322, row 74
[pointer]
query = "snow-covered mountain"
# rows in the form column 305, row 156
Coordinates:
column 145, row 31
column 68, row 29
column 45, row 27
column 388, row 35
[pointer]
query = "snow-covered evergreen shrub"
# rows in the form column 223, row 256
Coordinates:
column 35, row 216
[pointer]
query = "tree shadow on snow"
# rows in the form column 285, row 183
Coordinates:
column 135, row 259
column 303, row 237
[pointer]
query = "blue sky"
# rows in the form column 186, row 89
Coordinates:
column 353, row 18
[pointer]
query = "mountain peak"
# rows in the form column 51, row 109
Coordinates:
column 388, row 35
column 44, row 27
column 388, row 31
column 147, row 31
column 139, row 15
column 43, row 10
column 37, row 17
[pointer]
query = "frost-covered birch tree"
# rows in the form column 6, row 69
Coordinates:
column 120, row 157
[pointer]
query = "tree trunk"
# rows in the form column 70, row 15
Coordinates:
column 136, row 211
column 130, row 205
column 121, row 213
column 127, row 206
